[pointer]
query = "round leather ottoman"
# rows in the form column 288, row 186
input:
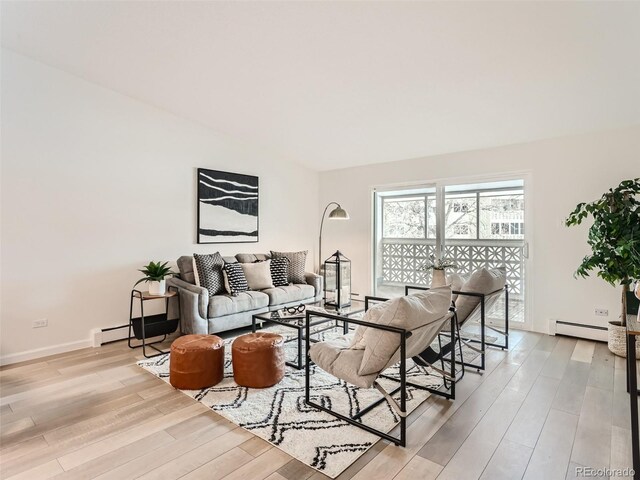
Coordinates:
column 258, row 359
column 196, row 362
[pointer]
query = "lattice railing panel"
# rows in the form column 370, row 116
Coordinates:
column 402, row 262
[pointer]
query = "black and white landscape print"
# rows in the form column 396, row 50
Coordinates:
column 227, row 207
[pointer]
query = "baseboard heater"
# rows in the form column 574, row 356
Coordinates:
column 580, row 330
column 102, row 336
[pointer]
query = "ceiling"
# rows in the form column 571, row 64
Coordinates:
column 337, row 84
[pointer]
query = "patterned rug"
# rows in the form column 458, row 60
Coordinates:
column 280, row 416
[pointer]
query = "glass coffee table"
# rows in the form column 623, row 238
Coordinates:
column 297, row 321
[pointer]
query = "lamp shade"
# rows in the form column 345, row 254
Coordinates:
column 339, row 213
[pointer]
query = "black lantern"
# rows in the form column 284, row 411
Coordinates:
column 337, row 281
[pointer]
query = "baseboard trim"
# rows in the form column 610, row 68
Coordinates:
column 44, row 352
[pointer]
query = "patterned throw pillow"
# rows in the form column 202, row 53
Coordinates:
column 234, row 280
column 280, row 271
column 297, row 262
column 208, row 272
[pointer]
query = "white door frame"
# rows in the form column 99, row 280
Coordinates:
column 525, row 175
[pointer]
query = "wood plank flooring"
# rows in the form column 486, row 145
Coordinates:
column 542, row 409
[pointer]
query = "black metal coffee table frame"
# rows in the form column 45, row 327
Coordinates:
column 298, row 322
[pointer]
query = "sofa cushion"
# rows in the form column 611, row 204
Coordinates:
column 258, row 275
column 208, row 272
column 252, row 257
column 297, row 262
column 289, row 293
column 221, row 305
column 185, row 266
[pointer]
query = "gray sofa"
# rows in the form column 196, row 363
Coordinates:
column 201, row 313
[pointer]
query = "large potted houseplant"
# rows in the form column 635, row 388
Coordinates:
column 614, row 239
column 155, row 274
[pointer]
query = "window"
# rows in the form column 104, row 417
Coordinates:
column 460, row 215
column 411, row 215
column 403, row 217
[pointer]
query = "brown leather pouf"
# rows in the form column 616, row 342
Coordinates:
column 196, row 362
column 258, row 359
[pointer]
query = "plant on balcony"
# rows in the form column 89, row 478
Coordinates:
column 438, row 265
column 614, row 238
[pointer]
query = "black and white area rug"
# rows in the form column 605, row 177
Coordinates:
column 280, row 416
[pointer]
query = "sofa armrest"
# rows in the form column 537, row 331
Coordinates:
column 316, row 281
column 194, row 304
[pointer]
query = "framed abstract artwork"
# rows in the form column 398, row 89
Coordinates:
column 227, row 207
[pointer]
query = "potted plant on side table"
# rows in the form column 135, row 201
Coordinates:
column 155, row 274
column 614, row 239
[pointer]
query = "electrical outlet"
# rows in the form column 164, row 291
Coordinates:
column 41, row 322
column 602, row 312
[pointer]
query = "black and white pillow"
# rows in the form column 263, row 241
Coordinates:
column 297, row 262
column 280, row 271
column 208, row 272
column 234, row 279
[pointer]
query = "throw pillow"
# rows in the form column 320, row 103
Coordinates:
column 413, row 313
column 258, row 275
column 234, row 280
column 297, row 262
column 371, row 316
column 484, row 280
column 207, row 271
column 280, row 271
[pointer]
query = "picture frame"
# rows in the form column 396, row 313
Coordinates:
column 228, row 207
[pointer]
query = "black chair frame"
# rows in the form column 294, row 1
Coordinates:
column 483, row 343
column 356, row 420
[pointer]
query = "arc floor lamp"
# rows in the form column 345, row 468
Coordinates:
column 337, row 213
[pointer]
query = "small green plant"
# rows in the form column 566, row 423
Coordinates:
column 438, row 263
column 614, row 237
column 155, row 272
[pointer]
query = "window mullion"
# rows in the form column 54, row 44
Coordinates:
column 440, row 226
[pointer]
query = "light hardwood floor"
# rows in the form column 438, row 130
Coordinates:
column 545, row 407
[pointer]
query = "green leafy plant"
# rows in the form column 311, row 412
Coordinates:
column 614, row 237
column 155, row 272
column 438, row 263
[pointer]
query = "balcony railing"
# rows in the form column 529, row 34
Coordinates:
column 403, row 260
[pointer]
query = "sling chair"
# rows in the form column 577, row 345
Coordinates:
column 390, row 333
column 472, row 299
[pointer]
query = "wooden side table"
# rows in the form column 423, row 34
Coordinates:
column 633, row 330
column 150, row 326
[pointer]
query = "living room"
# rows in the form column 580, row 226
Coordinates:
column 399, row 134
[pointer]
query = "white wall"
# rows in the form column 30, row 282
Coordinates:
column 94, row 185
column 564, row 172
